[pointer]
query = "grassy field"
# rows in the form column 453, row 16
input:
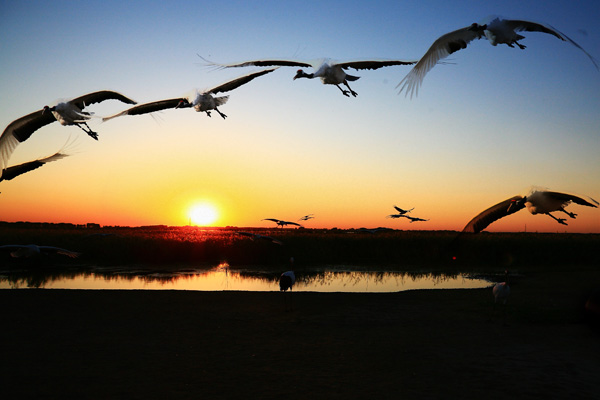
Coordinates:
column 390, row 249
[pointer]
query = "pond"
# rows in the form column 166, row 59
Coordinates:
column 223, row 277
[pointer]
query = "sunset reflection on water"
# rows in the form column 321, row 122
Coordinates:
column 222, row 278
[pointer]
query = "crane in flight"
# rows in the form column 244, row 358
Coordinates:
column 65, row 112
column 199, row 100
column 497, row 31
column 281, row 223
column 538, row 201
column 329, row 71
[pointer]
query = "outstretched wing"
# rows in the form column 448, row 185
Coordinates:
column 494, row 213
column 16, row 170
column 149, row 107
column 20, row 130
column 100, row 96
column 519, row 25
column 260, row 63
column 235, row 83
column 374, row 64
column 271, row 219
column 58, row 250
column 441, row 48
column 566, row 198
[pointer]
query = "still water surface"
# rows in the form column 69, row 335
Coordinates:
column 224, row 278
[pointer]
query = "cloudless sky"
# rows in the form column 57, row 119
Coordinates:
column 485, row 127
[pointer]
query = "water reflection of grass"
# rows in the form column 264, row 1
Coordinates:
column 314, row 277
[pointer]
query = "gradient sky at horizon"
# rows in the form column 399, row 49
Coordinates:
column 484, row 127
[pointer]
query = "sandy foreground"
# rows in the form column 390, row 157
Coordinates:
column 182, row 344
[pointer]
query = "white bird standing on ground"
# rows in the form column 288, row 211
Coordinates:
column 539, row 201
column 501, row 291
column 66, row 112
column 286, row 281
column 16, row 170
column 200, row 100
column 498, row 31
column 32, row 250
column 330, row 72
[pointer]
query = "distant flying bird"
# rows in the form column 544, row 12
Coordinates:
column 498, row 31
column 401, row 211
column 32, row 250
column 330, row 72
column 200, row 100
column 414, row 219
column 16, row 170
column 67, row 113
column 254, row 236
column 537, row 202
column 281, row 223
column 307, row 217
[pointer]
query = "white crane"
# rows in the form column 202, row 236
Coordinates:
column 281, row 223
column 199, row 100
column 501, row 291
column 329, row 71
column 498, row 31
column 66, row 112
column 286, row 281
column 32, row 250
column 539, row 201
column 16, row 170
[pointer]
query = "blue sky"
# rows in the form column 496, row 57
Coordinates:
column 483, row 128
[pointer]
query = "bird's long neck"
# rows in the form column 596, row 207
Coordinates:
column 302, row 74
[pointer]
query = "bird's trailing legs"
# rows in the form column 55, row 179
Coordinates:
column 345, row 92
column 570, row 214
column 220, row 113
column 349, row 88
column 559, row 220
column 89, row 131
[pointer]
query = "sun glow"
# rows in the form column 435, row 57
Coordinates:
column 203, row 214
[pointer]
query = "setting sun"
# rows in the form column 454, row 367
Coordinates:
column 203, row 214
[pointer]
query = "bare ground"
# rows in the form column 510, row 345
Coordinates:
column 416, row 344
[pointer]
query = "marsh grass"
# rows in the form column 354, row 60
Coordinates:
column 390, row 250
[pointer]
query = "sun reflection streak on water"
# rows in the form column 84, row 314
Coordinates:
column 223, row 278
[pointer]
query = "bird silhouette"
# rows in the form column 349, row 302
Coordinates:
column 66, row 112
column 539, row 201
column 306, row 217
column 329, row 71
column 281, row 223
column 199, row 100
column 412, row 219
column 401, row 211
column 497, row 31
